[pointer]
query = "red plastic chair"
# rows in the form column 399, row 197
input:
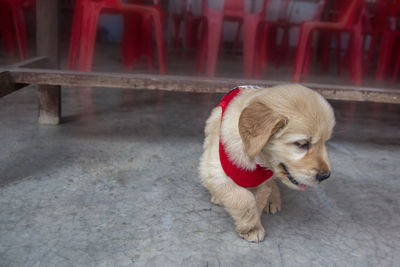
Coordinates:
column 397, row 65
column 177, row 19
column 137, row 39
column 349, row 21
column 379, row 24
column 388, row 49
column 191, row 26
column 233, row 10
column 268, row 38
column 269, row 32
column 14, row 9
column 334, row 10
column 6, row 29
column 338, row 8
column 85, row 22
column 284, row 23
column 389, row 45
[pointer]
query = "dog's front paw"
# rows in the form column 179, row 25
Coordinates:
column 254, row 235
column 273, row 205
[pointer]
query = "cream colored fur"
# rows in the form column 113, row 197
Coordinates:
column 308, row 117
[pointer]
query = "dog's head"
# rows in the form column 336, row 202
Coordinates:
column 286, row 128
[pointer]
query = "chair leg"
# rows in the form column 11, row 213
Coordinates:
column 146, row 40
column 90, row 18
column 75, row 36
column 131, row 26
column 326, row 48
column 384, row 55
column 260, row 62
column 191, row 30
column 177, row 25
column 250, row 25
column 397, row 67
column 20, row 31
column 371, row 49
column 308, row 59
column 265, row 30
column 283, row 47
column 338, row 52
column 24, row 37
column 273, row 32
column 214, row 30
column 157, row 17
column 202, row 52
column 192, row 26
column 237, row 37
column 349, row 57
column 357, row 51
column 300, row 52
column 287, row 47
column 221, row 53
column 6, row 29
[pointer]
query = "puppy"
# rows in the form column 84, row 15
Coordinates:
column 258, row 135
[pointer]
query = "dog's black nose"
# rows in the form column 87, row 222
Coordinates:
column 323, row 176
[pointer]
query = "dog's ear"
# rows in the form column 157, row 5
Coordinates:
column 257, row 124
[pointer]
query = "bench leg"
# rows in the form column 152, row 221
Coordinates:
column 47, row 38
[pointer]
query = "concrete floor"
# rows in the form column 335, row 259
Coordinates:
column 116, row 184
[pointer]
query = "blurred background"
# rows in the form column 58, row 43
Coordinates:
column 323, row 41
column 116, row 182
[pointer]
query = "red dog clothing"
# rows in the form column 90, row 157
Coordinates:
column 242, row 177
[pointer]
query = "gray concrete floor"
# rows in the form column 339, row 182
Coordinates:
column 116, row 184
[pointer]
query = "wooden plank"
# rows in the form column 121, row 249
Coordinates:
column 188, row 84
column 7, row 86
column 47, row 39
column 35, row 62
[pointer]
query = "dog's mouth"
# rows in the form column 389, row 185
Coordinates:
column 291, row 179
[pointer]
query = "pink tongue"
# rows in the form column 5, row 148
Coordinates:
column 261, row 164
column 302, row 187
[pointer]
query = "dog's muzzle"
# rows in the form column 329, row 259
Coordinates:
column 290, row 177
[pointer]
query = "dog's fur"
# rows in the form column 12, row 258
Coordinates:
column 271, row 126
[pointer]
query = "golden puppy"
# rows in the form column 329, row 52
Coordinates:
column 257, row 135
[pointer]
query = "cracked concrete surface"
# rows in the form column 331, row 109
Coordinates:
column 116, row 185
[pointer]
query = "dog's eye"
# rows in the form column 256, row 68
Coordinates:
column 302, row 145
